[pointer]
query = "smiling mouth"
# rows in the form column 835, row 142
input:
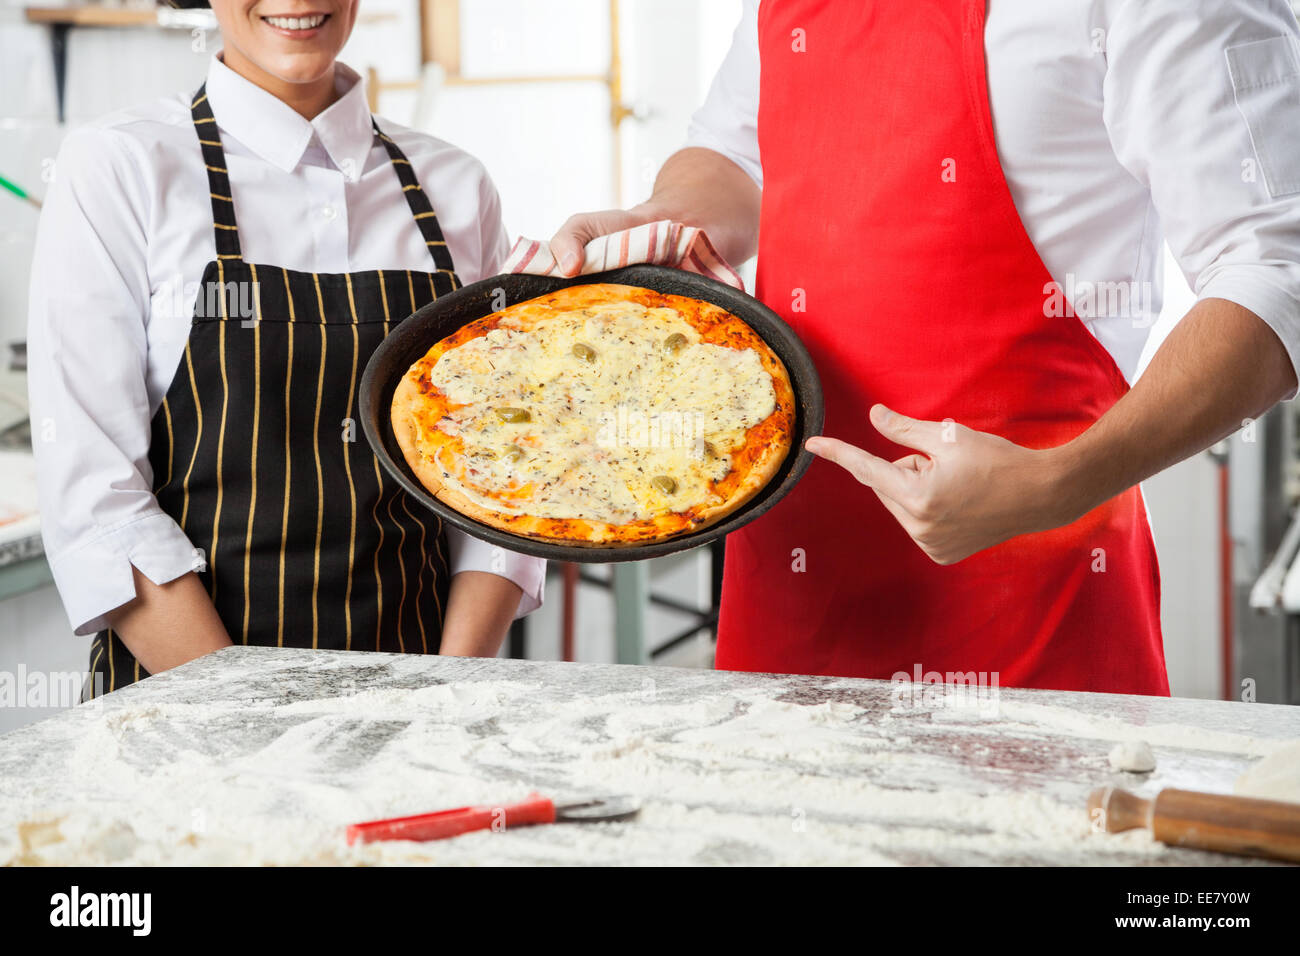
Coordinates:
column 310, row 22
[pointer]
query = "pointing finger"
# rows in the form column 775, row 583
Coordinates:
column 909, row 432
column 874, row 472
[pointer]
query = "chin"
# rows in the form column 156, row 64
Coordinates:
column 299, row 69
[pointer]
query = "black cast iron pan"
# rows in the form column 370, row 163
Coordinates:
column 414, row 336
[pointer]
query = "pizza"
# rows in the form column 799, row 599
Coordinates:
column 599, row 415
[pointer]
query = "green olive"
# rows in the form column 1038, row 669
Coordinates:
column 664, row 484
column 508, row 414
column 584, row 351
column 512, row 453
column 675, row 342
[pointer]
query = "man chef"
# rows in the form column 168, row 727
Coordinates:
column 925, row 184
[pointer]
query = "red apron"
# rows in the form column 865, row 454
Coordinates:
column 891, row 244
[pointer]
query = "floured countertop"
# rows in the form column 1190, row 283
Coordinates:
column 263, row 755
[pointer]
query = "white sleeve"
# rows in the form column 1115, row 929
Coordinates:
column 492, row 230
column 727, row 123
column 87, row 348
column 471, row 554
column 1202, row 104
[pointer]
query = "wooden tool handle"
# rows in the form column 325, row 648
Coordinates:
column 1205, row 821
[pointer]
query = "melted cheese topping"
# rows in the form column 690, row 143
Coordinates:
column 634, row 431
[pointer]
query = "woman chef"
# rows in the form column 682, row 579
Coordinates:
column 211, row 274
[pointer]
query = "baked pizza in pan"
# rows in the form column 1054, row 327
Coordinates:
column 599, row 415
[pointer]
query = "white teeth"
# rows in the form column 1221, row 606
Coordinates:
column 296, row 23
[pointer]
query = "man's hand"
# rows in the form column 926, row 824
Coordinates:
column 965, row 491
column 697, row 187
column 568, row 243
column 1220, row 367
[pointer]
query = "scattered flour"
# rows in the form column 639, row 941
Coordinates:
column 736, row 778
column 1276, row 777
column 1073, row 723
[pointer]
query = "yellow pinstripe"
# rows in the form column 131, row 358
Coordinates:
column 94, row 665
column 379, row 581
column 347, row 467
column 320, row 478
column 374, row 509
column 419, row 578
column 257, row 414
column 401, row 567
column 112, row 665
column 198, row 436
column 284, row 520
column 383, row 293
column 171, row 443
column 442, row 558
column 221, row 432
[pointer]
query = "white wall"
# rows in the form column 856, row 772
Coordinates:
column 549, row 147
column 107, row 70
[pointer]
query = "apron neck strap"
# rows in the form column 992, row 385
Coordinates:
column 214, row 157
column 223, row 205
column 421, row 208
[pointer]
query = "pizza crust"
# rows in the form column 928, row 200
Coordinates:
column 406, row 431
column 762, row 461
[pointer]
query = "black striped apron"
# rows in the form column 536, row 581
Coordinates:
column 256, row 452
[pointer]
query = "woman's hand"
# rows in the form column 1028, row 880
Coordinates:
column 965, row 492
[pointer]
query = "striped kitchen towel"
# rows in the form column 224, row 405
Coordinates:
column 663, row 243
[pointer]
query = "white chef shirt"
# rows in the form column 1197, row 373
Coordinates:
column 1121, row 124
column 122, row 243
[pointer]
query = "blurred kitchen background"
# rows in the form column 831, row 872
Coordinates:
column 573, row 105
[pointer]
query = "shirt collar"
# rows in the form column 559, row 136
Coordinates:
column 274, row 131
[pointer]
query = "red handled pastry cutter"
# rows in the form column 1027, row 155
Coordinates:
column 536, row 809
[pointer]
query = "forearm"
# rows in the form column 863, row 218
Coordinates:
column 703, row 188
column 167, row 625
column 1221, row 366
column 480, row 608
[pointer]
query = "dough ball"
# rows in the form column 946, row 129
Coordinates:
column 1135, row 756
column 1276, row 777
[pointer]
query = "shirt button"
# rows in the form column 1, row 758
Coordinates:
column 329, row 212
